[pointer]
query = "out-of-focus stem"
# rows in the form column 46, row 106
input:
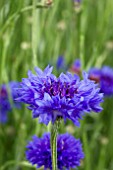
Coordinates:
column 34, row 33
column 54, row 132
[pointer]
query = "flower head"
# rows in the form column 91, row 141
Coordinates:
column 106, row 80
column 12, row 88
column 60, row 64
column 77, row 1
column 94, row 74
column 69, row 151
column 7, row 92
column 104, row 77
column 67, row 96
column 4, row 104
column 76, row 67
column 77, row 5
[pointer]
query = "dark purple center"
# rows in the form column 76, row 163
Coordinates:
column 3, row 93
column 62, row 89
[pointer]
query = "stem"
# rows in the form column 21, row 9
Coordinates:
column 82, row 50
column 13, row 162
column 34, row 33
column 54, row 131
column 17, row 14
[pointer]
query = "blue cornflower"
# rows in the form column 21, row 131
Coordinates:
column 60, row 64
column 104, row 76
column 94, row 74
column 12, row 88
column 69, row 152
column 7, row 93
column 5, row 106
column 76, row 67
column 106, row 80
column 67, row 96
column 77, row 1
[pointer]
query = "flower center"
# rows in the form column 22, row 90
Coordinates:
column 61, row 89
column 3, row 93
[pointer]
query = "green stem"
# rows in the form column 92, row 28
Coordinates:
column 54, row 131
column 13, row 162
column 82, row 50
column 17, row 14
column 34, row 33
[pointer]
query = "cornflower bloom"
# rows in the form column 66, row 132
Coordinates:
column 66, row 97
column 69, row 152
column 12, row 88
column 77, row 5
column 104, row 76
column 77, row 1
column 5, row 106
column 94, row 74
column 106, row 81
column 60, row 64
column 7, row 93
column 76, row 67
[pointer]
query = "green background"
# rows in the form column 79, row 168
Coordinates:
column 32, row 36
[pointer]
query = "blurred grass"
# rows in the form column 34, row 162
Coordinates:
column 38, row 37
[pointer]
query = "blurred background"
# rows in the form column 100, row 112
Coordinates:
column 36, row 33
